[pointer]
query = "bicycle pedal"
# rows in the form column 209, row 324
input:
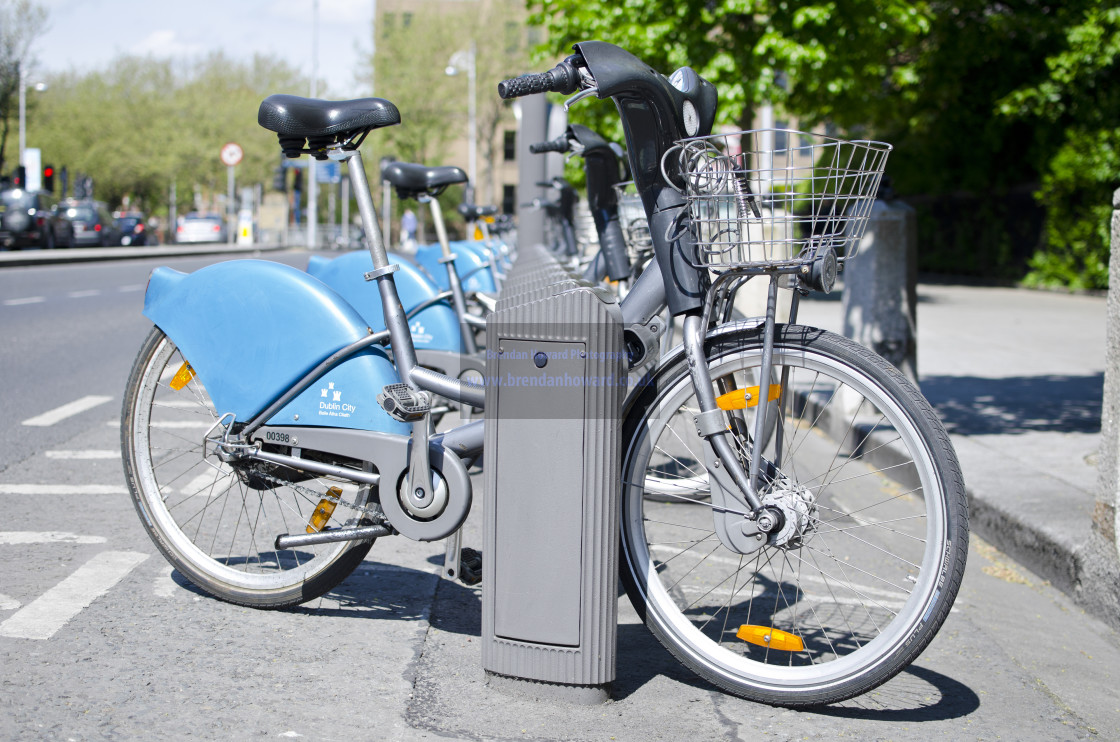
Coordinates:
column 404, row 403
column 470, row 566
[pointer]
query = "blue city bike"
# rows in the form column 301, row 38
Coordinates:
column 793, row 522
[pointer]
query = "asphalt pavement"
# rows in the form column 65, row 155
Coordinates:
column 1016, row 375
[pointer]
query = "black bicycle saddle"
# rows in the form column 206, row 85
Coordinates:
column 322, row 122
column 412, row 179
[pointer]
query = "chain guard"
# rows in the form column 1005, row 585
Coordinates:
column 389, row 455
column 264, row 478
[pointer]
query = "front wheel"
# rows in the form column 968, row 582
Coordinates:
column 867, row 563
column 217, row 523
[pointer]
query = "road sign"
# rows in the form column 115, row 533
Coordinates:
column 328, row 172
column 231, row 154
column 33, row 162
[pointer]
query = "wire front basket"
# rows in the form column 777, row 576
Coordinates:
column 771, row 199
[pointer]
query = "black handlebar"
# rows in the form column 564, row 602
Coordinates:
column 563, row 78
column 559, row 144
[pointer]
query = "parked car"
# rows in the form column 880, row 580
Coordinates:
column 132, row 228
column 90, row 224
column 196, row 227
column 28, row 219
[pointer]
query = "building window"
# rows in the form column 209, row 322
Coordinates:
column 509, row 199
column 509, row 146
column 406, row 20
column 387, row 22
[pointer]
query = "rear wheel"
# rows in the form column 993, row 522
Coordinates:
column 217, row 524
column 866, row 567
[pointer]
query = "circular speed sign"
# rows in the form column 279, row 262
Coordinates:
column 231, row 154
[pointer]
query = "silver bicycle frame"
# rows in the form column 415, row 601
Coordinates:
column 641, row 304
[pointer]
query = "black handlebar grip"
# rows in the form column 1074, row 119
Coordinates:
column 560, row 144
column 563, row 78
column 525, row 85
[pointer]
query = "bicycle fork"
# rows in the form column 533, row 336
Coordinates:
column 742, row 519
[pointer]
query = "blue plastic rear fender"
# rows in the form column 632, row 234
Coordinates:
column 252, row 328
column 435, row 328
column 473, row 271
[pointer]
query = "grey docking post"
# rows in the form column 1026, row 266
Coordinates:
column 553, row 400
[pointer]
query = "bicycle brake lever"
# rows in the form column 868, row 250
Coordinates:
column 580, row 96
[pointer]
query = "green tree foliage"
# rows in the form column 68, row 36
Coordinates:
column 841, row 61
column 141, row 123
column 21, row 22
column 978, row 97
column 413, row 49
column 408, row 68
column 1077, row 103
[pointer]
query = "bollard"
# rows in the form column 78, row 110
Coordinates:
column 880, row 298
column 531, row 169
column 1106, row 517
column 553, row 400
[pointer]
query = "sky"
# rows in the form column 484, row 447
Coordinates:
column 88, row 34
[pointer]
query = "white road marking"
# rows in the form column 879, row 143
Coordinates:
column 36, row 490
column 90, row 454
column 795, row 597
column 171, row 424
column 52, row 610
column 844, row 509
column 164, row 585
column 84, row 294
column 813, row 578
column 61, row 413
column 47, row 537
column 180, row 404
column 210, row 483
column 26, row 300
column 132, row 287
column 8, row 603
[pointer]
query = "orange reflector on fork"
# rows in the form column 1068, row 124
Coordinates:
column 182, row 377
column 740, row 399
column 767, row 636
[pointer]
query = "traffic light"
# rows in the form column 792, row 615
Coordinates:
column 19, row 177
column 48, row 178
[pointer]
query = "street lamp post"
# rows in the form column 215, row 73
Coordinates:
column 40, row 87
column 464, row 61
column 312, row 180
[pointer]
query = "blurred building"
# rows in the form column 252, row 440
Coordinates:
column 501, row 40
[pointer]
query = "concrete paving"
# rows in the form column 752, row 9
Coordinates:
column 1017, row 376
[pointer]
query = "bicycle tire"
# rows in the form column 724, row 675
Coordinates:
column 893, row 556
column 217, row 525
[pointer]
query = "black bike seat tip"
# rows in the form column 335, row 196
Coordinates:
column 293, row 116
column 414, row 178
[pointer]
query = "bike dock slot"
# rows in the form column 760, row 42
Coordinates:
column 555, row 385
